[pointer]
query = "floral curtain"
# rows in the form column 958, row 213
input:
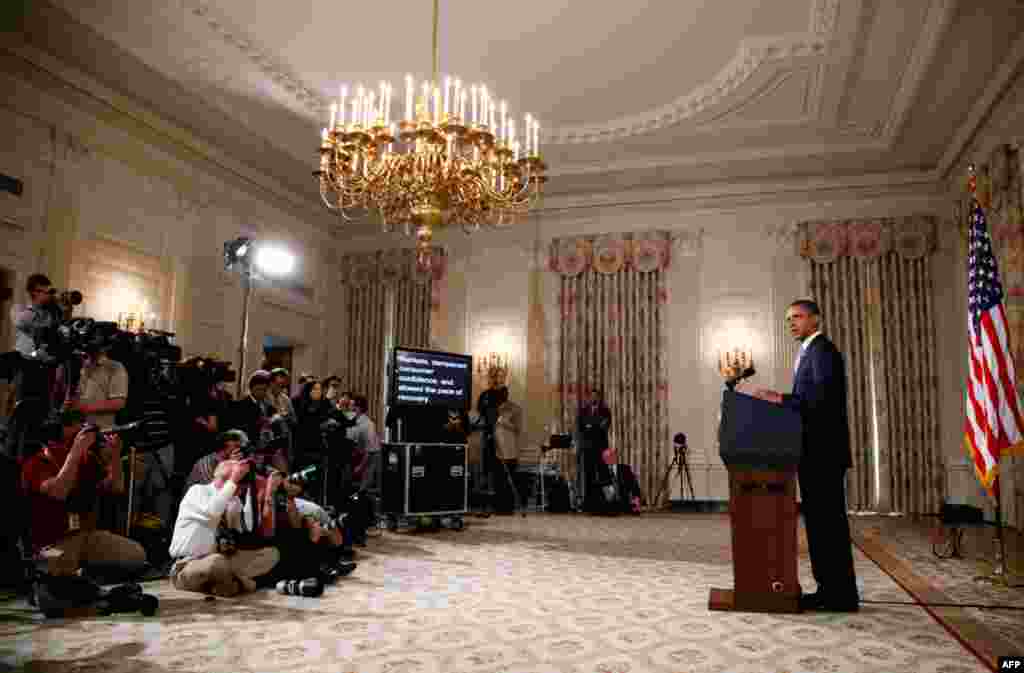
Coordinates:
column 872, row 279
column 612, row 335
column 387, row 291
column 1001, row 193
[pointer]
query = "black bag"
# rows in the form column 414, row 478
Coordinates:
column 56, row 596
column 557, row 494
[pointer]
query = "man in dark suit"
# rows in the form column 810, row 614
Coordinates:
column 819, row 395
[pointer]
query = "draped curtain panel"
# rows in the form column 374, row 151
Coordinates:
column 386, row 290
column 872, row 279
column 1001, row 193
column 612, row 336
column 841, row 290
column 412, row 313
column 364, row 344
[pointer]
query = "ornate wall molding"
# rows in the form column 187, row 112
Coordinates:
column 784, row 235
column 688, row 243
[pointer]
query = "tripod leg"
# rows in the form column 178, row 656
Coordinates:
column 664, row 480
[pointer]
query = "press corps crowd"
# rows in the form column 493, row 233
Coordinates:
column 281, row 490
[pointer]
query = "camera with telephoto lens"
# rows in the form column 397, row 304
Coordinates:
column 227, row 540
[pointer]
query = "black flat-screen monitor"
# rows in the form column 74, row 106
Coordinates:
column 431, row 378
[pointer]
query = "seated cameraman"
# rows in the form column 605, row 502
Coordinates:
column 210, row 519
column 65, row 478
column 234, row 445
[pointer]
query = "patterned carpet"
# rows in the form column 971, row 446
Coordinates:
column 566, row 593
column 910, row 540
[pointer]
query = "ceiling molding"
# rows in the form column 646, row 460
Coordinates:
column 752, row 55
column 305, row 96
column 722, row 196
column 937, row 23
column 711, row 158
column 982, row 108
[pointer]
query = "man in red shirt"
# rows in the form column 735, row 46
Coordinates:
column 65, row 478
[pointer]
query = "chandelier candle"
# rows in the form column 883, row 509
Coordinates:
column 434, row 167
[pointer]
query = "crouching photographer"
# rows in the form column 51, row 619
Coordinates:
column 207, row 535
column 62, row 483
column 309, row 539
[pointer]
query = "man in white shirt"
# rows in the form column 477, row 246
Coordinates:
column 199, row 563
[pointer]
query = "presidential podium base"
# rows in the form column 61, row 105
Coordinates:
column 726, row 600
column 763, row 516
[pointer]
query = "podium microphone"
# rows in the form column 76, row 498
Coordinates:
column 745, row 374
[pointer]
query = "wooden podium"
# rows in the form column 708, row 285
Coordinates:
column 760, row 444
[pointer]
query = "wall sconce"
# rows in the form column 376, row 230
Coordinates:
column 494, row 366
column 734, row 362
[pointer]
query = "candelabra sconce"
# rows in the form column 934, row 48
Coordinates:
column 733, row 363
column 494, row 367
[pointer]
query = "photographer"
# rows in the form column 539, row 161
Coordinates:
column 311, row 410
column 280, row 396
column 210, row 519
column 65, row 478
column 255, row 416
column 230, row 448
column 103, row 386
column 234, row 446
column 35, row 327
column 366, row 457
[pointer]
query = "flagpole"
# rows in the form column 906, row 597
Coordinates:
column 999, row 573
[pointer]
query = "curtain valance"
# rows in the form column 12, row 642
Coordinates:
column 911, row 237
column 610, row 253
column 391, row 266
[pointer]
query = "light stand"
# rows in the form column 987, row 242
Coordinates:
column 246, row 256
column 243, row 345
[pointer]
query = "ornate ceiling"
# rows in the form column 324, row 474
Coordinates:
column 633, row 95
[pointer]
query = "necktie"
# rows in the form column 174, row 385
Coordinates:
column 799, row 357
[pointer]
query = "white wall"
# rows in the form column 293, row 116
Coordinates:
column 97, row 168
column 740, row 277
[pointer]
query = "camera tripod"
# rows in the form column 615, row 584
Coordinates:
column 682, row 467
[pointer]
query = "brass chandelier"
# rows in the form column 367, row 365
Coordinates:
column 457, row 158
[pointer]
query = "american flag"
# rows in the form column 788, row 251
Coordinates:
column 993, row 422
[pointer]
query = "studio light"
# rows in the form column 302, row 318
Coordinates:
column 274, row 261
column 253, row 259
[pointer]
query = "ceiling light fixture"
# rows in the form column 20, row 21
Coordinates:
column 457, row 158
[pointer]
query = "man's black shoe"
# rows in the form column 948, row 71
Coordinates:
column 345, row 569
column 815, row 601
column 820, row 602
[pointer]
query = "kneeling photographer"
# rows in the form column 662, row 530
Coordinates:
column 209, row 527
column 62, row 483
